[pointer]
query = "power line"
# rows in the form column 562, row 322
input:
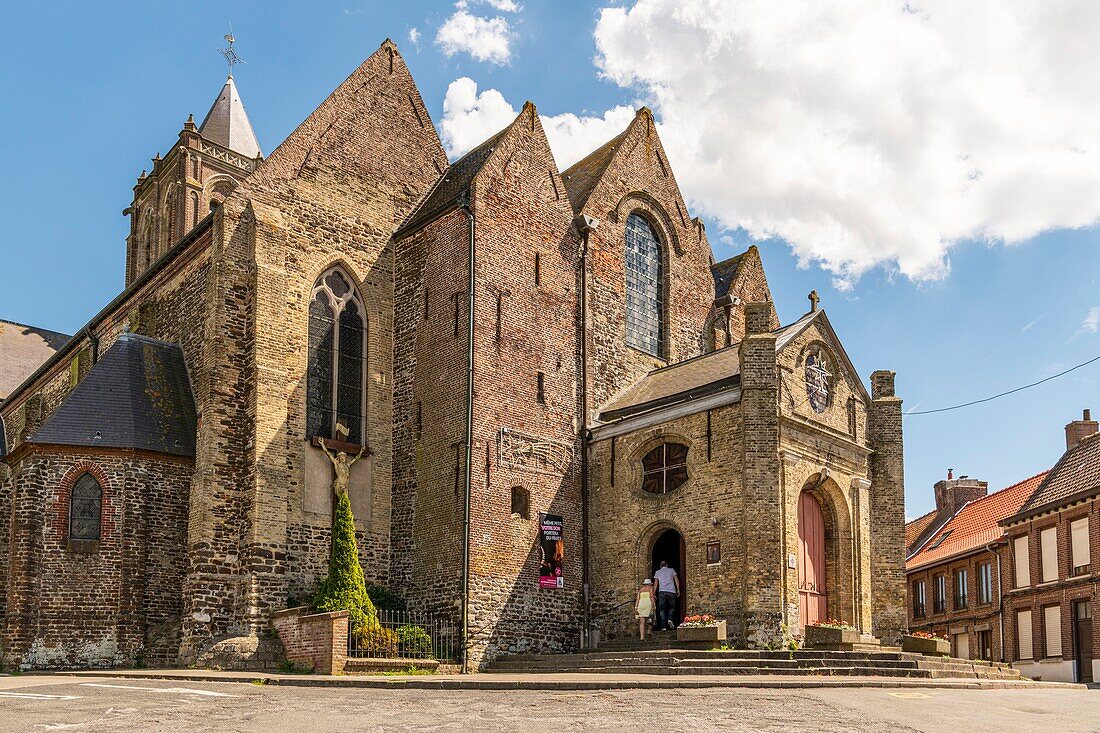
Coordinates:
column 1011, row 391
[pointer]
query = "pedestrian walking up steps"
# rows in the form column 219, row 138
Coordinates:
column 671, row 661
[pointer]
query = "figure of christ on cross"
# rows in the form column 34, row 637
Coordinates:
column 341, row 467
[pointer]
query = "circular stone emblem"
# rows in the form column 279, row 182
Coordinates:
column 818, row 380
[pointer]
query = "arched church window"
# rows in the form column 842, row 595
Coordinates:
column 85, row 508
column 664, row 468
column 194, row 208
column 819, row 380
column 644, row 287
column 336, row 374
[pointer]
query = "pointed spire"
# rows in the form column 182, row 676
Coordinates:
column 227, row 123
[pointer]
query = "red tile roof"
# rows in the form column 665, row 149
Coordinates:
column 975, row 525
column 913, row 529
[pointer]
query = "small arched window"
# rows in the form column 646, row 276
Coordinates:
column 194, row 208
column 336, row 373
column 644, row 268
column 521, row 502
column 85, row 508
column 664, row 468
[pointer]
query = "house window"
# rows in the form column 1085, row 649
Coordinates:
column 1021, row 558
column 939, row 599
column 918, row 599
column 644, row 287
column 1024, row 649
column 664, row 468
column 85, row 508
column 962, row 596
column 1048, row 544
column 1052, row 630
column 1079, row 550
column 336, row 370
column 521, row 501
column 985, row 583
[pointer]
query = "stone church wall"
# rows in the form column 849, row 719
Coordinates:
column 115, row 602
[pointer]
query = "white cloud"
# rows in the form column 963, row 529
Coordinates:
column 414, row 37
column 485, row 39
column 470, row 117
column 1091, row 324
column 504, row 6
column 871, row 134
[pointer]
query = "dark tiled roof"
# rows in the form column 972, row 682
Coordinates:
column 451, row 186
column 975, row 525
column 914, row 529
column 136, row 396
column 1077, row 473
column 22, row 350
column 582, row 176
column 692, row 378
column 723, row 273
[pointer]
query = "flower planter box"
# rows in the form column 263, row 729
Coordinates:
column 930, row 647
column 825, row 636
column 702, row 633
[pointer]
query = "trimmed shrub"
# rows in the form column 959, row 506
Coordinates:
column 344, row 588
column 414, row 641
column 377, row 642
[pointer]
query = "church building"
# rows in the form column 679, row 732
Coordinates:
column 509, row 347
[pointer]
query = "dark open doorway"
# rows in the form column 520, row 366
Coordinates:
column 669, row 546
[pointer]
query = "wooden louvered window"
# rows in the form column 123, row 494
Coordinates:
column 336, row 373
column 85, row 508
column 664, row 468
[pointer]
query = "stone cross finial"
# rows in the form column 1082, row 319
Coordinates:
column 814, row 300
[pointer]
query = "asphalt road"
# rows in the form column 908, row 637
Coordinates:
column 39, row 703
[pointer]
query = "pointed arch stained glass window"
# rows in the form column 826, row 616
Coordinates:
column 85, row 508
column 644, row 287
column 336, row 370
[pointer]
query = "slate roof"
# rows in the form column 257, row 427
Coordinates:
column 914, row 529
column 974, row 526
column 724, row 272
column 581, row 178
column 137, row 395
column 23, row 349
column 227, row 123
column 451, row 186
column 1076, row 474
column 692, row 378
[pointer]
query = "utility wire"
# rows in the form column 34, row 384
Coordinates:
column 1011, row 391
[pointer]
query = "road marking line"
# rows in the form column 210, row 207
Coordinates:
column 910, row 695
column 176, row 690
column 38, row 696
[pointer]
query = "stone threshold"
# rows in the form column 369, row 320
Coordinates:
column 563, row 681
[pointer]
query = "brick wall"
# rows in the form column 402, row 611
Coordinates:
column 884, row 432
column 971, row 619
column 314, row 641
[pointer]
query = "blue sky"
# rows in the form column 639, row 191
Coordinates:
column 94, row 91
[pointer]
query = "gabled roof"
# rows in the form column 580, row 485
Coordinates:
column 1076, row 474
column 227, row 123
column 451, row 187
column 581, row 178
column 692, row 378
column 974, row 526
column 724, row 273
column 22, row 350
column 137, row 395
column 915, row 528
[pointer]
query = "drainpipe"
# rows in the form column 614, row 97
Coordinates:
column 585, row 225
column 470, row 280
column 1000, row 600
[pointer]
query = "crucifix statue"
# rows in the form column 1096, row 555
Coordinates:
column 341, row 467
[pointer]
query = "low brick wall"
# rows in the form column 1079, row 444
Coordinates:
column 318, row 641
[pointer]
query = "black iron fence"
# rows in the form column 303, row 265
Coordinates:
column 407, row 635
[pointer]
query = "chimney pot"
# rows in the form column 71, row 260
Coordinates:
column 1078, row 430
column 950, row 474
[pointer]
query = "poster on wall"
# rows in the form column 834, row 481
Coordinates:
column 551, row 551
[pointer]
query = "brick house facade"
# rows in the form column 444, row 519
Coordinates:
column 501, row 340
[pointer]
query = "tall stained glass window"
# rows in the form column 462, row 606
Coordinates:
column 336, row 375
column 644, row 287
column 85, row 508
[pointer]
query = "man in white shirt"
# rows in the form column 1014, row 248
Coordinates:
column 668, row 590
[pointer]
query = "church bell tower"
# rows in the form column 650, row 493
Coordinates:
column 204, row 166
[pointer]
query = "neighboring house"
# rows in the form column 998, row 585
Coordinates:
column 22, row 350
column 1051, row 541
column 953, row 568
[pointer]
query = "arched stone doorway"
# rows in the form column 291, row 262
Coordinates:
column 669, row 546
column 813, row 590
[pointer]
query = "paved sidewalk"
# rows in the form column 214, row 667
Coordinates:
column 540, row 681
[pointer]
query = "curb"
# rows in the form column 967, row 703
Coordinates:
column 542, row 683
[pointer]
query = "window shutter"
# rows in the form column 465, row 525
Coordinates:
column 1079, row 532
column 1022, row 561
column 1052, row 628
column 1023, row 635
column 1048, row 541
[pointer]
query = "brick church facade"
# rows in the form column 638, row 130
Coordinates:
column 501, row 339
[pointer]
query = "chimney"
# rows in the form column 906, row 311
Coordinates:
column 1078, row 430
column 952, row 493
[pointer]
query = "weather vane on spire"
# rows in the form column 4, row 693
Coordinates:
column 231, row 56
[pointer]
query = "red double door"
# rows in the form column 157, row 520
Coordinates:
column 812, row 595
